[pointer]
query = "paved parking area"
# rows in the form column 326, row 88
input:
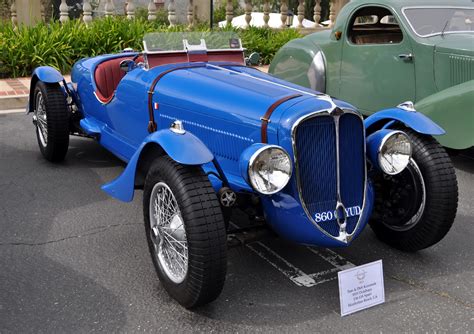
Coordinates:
column 73, row 259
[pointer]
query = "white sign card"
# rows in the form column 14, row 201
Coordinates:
column 361, row 287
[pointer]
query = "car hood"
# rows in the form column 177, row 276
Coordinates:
column 234, row 95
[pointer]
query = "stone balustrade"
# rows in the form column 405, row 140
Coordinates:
column 109, row 9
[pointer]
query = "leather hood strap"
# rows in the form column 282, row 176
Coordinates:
column 266, row 118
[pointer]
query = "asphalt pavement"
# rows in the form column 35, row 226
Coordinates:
column 73, row 259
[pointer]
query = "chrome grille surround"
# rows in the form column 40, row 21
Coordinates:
column 336, row 113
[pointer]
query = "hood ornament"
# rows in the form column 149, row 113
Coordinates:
column 177, row 127
column 407, row 106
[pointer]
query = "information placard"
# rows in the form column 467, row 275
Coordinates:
column 361, row 287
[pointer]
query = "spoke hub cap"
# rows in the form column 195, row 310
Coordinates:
column 168, row 233
column 41, row 119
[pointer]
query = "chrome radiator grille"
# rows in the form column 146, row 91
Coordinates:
column 330, row 150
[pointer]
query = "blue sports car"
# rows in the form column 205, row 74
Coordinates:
column 203, row 134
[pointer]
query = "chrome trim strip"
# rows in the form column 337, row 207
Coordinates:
column 317, row 72
column 434, row 7
column 145, row 48
column 343, row 235
column 106, row 102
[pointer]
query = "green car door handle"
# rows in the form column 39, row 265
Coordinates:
column 406, row 57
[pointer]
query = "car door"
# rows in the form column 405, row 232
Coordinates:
column 377, row 68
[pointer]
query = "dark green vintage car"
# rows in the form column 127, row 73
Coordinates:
column 384, row 52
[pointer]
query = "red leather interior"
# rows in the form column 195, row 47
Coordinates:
column 107, row 77
column 166, row 58
column 227, row 56
column 108, row 74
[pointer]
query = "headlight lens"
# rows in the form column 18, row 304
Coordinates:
column 269, row 169
column 394, row 153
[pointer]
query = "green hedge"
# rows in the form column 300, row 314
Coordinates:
column 24, row 48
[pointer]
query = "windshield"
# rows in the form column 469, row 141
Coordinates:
column 191, row 41
column 427, row 21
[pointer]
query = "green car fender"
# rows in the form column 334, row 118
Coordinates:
column 301, row 62
column 453, row 110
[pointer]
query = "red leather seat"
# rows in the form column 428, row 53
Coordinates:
column 107, row 77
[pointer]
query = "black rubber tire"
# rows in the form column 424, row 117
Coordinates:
column 205, row 231
column 441, row 198
column 57, row 121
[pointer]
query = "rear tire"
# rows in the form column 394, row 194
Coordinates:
column 416, row 208
column 185, row 232
column 52, row 121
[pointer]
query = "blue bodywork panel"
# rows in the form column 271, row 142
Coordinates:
column 185, row 149
column 46, row 74
column 412, row 119
column 220, row 106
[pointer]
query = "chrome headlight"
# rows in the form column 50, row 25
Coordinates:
column 394, row 152
column 269, row 169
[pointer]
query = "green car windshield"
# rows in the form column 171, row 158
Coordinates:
column 185, row 41
column 426, row 21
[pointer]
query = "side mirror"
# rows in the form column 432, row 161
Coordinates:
column 253, row 59
column 127, row 65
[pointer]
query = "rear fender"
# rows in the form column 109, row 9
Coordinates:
column 46, row 74
column 412, row 119
column 185, row 149
column 453, row 109
column 301, row 62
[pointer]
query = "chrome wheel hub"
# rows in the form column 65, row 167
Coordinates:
column 40, row 118
column 168, row 233
column 414, row 193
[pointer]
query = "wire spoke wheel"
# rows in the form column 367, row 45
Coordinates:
column 185, row 231
column 51, row 118
column 168, row 233
column 41, row 118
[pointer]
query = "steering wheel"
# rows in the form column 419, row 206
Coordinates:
column 136, row 56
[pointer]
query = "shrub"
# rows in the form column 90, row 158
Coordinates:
column 141, row 13
column 266, row 41
column 60, row 45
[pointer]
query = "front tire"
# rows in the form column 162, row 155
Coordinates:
column 185, row 232
column 416, row 208
column 52, row 121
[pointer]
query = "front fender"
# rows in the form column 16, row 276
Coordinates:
column 453, row 109
column 412, row 119
column 185, row 149
column 46, row 74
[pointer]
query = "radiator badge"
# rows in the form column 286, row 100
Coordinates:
column 332, row 215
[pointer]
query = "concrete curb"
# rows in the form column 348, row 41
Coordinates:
column 13, row 102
